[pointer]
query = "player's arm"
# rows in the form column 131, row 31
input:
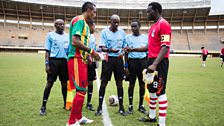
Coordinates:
column 126, row 63
column 47, row 55
column 48, row 43
column 47, row 66
column 105, row 49
column 141, row 49
column 76, row 41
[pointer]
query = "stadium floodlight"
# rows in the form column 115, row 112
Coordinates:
column 41, row 7
column 184, row 11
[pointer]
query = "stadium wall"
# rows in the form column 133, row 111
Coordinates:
column 25, row 25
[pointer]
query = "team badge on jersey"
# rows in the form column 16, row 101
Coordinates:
column 153, row 33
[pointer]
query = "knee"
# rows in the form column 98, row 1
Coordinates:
column 119, row 84
column 49, row 85
column 131, row 86
column 103, row 84
column 142, row 86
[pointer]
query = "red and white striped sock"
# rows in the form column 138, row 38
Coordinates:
column 162, row 109
column 152, row 105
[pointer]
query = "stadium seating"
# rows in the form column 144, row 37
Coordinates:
column 42, row 16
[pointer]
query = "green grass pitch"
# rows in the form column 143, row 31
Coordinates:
column 195, row 94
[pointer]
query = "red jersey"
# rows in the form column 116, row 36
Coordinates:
column 222, row 52
column 204, row 52
column 159, row 35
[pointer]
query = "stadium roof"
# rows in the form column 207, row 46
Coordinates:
column 25, row 12
column 126, row 4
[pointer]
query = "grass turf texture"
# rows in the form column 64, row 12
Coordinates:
column 195, row 94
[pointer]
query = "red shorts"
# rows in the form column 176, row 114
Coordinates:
column 77, row 71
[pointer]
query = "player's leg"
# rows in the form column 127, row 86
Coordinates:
column 101, row 97
column 119, row 74
column 79, row 79
column 161, row 93
column 152, row 109
column 130, row 96
column 63, row 76
column 141, row 107
column 141, row 66
column 222, row 57
column 132, row 79
column 64, row 91
column 51, row 78
column 106, row 73
column 152, row 89
column 89, row 96
column 222, row 61
column 204, row 57
column 91, row 77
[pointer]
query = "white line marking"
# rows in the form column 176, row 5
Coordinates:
column 105, row 114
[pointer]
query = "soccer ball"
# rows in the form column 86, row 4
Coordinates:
column 113, row 100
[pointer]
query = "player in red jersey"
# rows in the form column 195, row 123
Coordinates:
column 159, row 39
column 204, row 55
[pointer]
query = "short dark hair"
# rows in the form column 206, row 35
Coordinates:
column 136, row 20
column 87, row 5
column 156, row 6
column 202, row 47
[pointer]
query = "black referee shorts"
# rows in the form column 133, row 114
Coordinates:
column 159, row 84
column 59, row 68
column 114, row 64
column 91, row 71
column 135, row 67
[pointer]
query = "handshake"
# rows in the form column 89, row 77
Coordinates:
column 97, row 56
column 103, row 56
column 148, row 78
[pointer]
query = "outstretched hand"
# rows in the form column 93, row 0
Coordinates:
column 127, row 49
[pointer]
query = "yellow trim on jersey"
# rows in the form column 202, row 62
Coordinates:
column 165, row 38
column 76, row 70
column 83, row 40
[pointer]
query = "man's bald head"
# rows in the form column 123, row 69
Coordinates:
column 59, row 25
column 58, row 21
column 114, row 20
column 114, row 17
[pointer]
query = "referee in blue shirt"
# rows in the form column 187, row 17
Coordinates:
column 56, row 46
column 135, row 64
column 112, row 40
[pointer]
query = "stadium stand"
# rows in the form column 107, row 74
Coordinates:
column 25, row 23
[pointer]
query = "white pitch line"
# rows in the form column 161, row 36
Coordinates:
column 105, row 114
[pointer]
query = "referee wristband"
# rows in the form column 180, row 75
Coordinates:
column 46, row 62
column 91, row 51
column 126, row 65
